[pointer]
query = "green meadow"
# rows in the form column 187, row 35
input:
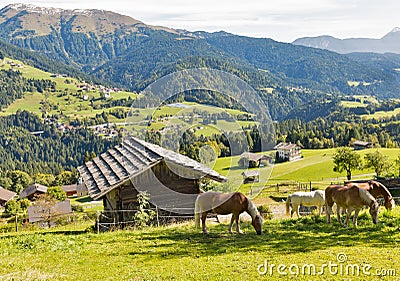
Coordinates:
column 67, row 99
column 302, row 247
column 316, row 166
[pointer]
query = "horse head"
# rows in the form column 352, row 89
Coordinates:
column 257, row 222
column 374, row 211
column 389, row 203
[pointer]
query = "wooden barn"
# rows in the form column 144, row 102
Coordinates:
column 5, row 196
column 248, row 159
column 31, row 191
column 171, row 179
column 360, row 145
column 70, row 189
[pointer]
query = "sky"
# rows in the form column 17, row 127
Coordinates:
column 282, row 20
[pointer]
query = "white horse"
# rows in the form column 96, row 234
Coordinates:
column 313, row 198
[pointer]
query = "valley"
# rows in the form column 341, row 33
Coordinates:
column 81, row 127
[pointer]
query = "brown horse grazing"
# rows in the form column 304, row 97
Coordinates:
column 350, row 198
column 224, row 204
column 376, row 189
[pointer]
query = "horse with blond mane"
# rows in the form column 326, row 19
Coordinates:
column 307, row 199
column 224, row 204
column 350, row 198
column 376, row 189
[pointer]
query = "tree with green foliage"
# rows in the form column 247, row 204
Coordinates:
column 377, row 161
column 44, row 179
column 397, row 164
column 12, row 207
column 5, row 182
column 346, row 159
column 57, row 193
column 20, row 180
column 143, row 215
column 66, row 178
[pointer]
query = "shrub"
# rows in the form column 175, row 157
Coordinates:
column 77, row 208
column 12, row 207
column 57, row 193
column 265, row 212
column 143, row 216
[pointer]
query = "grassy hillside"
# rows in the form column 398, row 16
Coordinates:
column 315, row 166
column 70, row 100
column 181, row 252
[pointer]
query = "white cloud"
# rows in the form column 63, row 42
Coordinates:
column 283, row 20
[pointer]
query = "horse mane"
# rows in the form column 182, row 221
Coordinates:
column 252, row 209
column 384, row 191
column 366, row 197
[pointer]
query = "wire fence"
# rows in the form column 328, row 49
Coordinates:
column 117, row 219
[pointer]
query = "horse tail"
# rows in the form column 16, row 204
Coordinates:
column 197, row 212
column 288, row 204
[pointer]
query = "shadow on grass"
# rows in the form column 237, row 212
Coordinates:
column 290, row 236
column 278, row 198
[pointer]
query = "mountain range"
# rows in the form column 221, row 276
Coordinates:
column 390, row 43
column 123, row 51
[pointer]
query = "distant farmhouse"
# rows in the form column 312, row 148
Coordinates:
column 5, row 196
column 360, row 145
column 31, row 191
column 251, row 176
column 252, row 160
column 287, row 151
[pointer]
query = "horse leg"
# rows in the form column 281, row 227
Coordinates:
column 338, row 213
column 355, row 217
column 237, row 224
column 203, row 222
column 328, row 212
column 348, row 212
column 230, row 225
column 293, row 210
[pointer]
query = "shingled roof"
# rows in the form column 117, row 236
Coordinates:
column 254, row 156
column 129, row 159
column 6, row 195
column 32, row 189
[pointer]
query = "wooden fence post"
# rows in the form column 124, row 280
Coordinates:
column 16, row 223
column 98, row 221
column 158, row 221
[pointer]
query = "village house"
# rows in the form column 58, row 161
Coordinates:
column 5, row 196
column 118, row 175
column 360, row 145
column 288, row 151
column 81, row 189
column 251, row 176
column 31, row 191
column 70, row 190
column 248, row 159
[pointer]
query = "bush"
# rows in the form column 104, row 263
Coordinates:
column 265, row 212
column 143, row 216
column 12, row 207
column 57, row 193
column 77, row 208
